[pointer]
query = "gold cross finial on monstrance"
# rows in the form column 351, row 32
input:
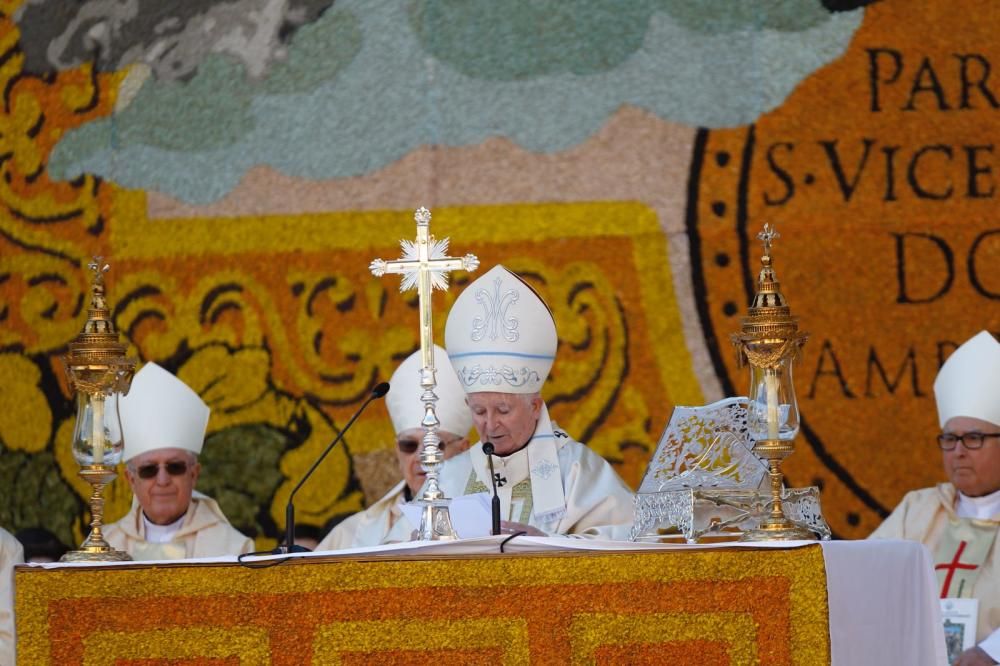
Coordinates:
column 99, row 268
column 768, row 236
column 425, row 265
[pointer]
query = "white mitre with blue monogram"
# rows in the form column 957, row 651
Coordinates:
column 501, row 338
column 500, row 335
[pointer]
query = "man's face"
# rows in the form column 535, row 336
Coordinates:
column 506, row 419
column 164, row 497
column 408, row 445
column 974, row 472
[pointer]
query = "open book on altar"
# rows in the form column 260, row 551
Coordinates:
column 704, row 480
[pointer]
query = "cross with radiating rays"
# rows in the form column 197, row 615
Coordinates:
column 424, row 265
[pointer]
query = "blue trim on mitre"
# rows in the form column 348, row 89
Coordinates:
column 542, row 357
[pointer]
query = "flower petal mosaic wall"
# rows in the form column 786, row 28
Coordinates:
column 621, row 161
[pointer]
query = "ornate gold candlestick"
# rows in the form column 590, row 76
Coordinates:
column 770, row 341
column 425, row 267
column 98, row 373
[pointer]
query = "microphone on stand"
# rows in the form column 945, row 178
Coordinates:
column 488, row 450
column 290, row 547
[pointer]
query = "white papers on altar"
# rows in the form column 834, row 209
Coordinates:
column 470, row 515
column 959, row 617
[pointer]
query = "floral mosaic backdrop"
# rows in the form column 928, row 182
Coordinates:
column 240, row 163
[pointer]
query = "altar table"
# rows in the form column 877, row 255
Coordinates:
column 545, row 600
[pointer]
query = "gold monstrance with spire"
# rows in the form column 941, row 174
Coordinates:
column 770, row 341
column 99, row 373
column 425, row 266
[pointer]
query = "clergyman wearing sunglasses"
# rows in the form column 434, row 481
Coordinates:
column 383, row 521
column 164, row 424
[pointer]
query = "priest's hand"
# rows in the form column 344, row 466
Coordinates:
column 510, row 527
column 974, row 656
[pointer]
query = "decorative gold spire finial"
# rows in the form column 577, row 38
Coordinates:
column 769, row 318
column 96, row 361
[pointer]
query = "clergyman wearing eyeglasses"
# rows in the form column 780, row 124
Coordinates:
column 958, row 521
column 383, row 522
column 164, row 423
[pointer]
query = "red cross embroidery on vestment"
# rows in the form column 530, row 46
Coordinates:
column 952, row 567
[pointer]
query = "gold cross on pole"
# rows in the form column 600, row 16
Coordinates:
column 424, row 265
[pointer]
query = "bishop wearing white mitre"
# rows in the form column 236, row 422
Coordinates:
column 164, row 422
column 384, row 522
column 501, row 340
column 959, row 520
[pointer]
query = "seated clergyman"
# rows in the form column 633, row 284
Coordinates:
column 501, row 339
column 958, row 521
column 383, row 521
column 164, row 424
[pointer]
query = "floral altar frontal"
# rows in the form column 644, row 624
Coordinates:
column 696, row 606
column 545, row 600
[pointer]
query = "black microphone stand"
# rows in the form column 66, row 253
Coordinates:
column 290, row 546
column 488, row 449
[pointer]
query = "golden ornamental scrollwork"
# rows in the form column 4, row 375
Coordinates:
column 328, row 338
column 765, row 354
column 351, row 333
column 42, row 300
column 61, row 218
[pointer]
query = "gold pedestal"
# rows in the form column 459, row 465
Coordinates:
column 776, row 526
column 94, row 548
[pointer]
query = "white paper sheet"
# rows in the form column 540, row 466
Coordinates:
column 470, row 515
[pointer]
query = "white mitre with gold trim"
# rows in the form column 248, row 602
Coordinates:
column 406, row 409
column 500, row 335
column 162, row 412
column 968, row 383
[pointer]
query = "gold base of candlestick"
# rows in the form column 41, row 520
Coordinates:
column 776, row 526
column 785, row 530
column 95, row 554
column 435, row 521
column 94, row 548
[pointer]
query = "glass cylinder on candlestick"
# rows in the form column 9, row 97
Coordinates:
column 773, row 412
column 97, row 435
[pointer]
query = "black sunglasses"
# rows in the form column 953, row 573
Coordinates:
column 409, row 446
column 174, row 468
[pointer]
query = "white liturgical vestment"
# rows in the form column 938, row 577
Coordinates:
column 382, row 522
column 11, row 553
column 927, row 515
column 205, row 532
column 597, row 501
